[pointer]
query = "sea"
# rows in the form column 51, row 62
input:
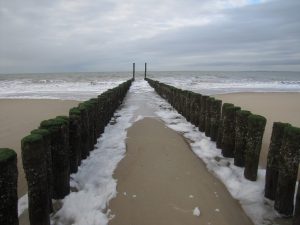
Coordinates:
column 82, row 86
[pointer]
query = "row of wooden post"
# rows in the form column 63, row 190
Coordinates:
column 238, row 133
column 51, row 153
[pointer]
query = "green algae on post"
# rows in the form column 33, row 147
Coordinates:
column 215, row 118
column 274, row 159
column 59, row 130
column 34, row 159
column 221, row 125
column 47, row 148
column 8, row 187
column 256, row 128
column 288, row 170
column 228, row 136
column 241, row 129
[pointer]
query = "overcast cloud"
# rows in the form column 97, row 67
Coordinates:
column 108, row 35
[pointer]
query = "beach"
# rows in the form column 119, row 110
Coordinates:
column 276, row 107
column 19, row 116
column 154, row 157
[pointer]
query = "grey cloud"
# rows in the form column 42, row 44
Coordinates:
column 87, row 36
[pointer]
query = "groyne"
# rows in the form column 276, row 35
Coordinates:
column 238, row 134
column 51, row 153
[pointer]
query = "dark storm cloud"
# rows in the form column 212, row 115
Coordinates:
column 109, row 35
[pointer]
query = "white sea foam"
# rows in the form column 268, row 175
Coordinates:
column 82, row 86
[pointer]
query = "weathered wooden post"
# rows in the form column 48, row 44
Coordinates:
column 145, row 70
column 274, row 159
column 8, row 187
column 59, row 131
column 47, row 148
column 241, row 130
column 284, row 198
column 256, row 128
column 84, row 131
column 215, row 118
column 35, row 167
column 75, row 139
column 296, row 219
column 208, row 115
column 203, row 113
column 221, row 125
column 133, row 71
column 228, row 136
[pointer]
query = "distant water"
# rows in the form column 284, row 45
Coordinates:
column 81, row 86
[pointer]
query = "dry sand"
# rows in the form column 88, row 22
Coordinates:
column 19, row 116
column 161, row 181
column 276, row 107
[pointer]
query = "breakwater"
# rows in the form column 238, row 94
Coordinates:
column 52, row 152
column 238, row 134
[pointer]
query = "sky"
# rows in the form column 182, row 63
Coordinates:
column 109, row 35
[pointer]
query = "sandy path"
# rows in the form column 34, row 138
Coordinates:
column 160, row 181
column 19, row 116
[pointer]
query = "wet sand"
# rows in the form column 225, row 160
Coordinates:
column 276, row 107
column 19, row 116
column 161, row 181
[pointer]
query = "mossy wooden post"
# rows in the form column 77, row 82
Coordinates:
column 75, row 139
column 8, row 187
column 203, row 113
column 84, row 131
column 228, row 136
column 296, row 219
column 101, row 101
column 47, row 148
column 145, row 70
column 59, row 130
column 215, row 118
column 241, row 130
column 284, row 199
column 133, row 71
column 197, row 109
column 256, row 128
column 208, row 114
column 274, row 159
column 221, row 125
column 34, row 159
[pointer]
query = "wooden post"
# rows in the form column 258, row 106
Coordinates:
column 145, row 70
column 221, row 126
column 241, row 129
column 133, row 71
column 8, row 187
column 274, row 159
column 35, row 166
column 284, row 198
column 256, row 128
column 215, row 119
column 59, row 130
column 47, row 148
column 228, row 136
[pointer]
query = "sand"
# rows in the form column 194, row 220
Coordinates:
column 161, row 181
column 18, row 117
column 276, row 107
